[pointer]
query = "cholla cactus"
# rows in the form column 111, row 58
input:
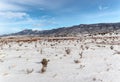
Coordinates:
column 44, row 63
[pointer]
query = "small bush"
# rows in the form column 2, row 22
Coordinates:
column 68, row 51
column 87, row 47
column 76, row 61
column 111, row 47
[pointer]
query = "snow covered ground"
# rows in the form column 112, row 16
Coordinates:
column 86, row 60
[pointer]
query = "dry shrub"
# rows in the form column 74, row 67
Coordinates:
column 43, row 70
column 68, row 51
column 111, row 47
column 81, row 55
column 82, row 47
column 82, row 66
column 86, row 47
column 76, row 61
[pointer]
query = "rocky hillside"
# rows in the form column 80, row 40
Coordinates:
column 77, row 30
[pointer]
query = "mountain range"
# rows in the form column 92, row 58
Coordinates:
column 77, row 30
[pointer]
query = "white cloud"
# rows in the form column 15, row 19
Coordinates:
column 28, row 23
column 13, row 15
column 4, row 6
column 40, row 4
column 102, row 7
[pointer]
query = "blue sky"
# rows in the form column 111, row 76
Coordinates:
column 16, row 15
